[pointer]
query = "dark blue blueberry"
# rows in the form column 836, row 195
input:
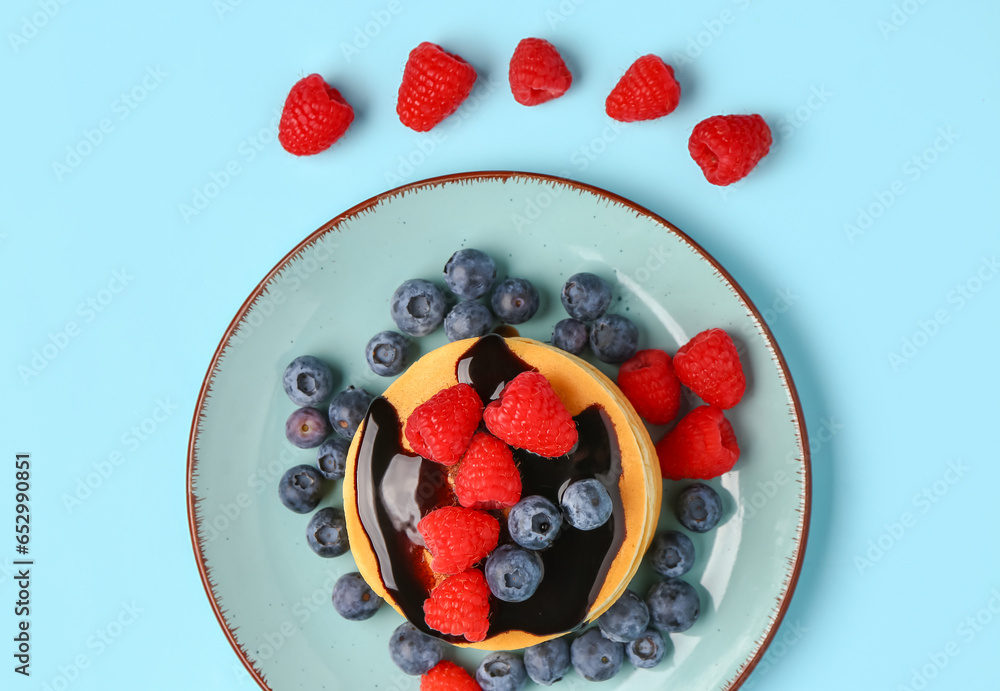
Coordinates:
column 699, row 508
column 331, row 459
column 414, row 651
column 347, row 410
column 570, row 335
column 501, row 671
column 534, row 522
column 646, row 651
column 353, row 599
column 515, row 301
column 468, row 319
column 586, row 296
column 417, row 307
column 386, row 353
column 307, row 428
column 327, row 532
column 301, row 488
column 594, row 657
column 308, row 381
column 512, row 573
column 673, row 605
column 625, row 620
column 547, row 662
column 586, row 504
column 613, row 338
column 671, row 554
column 470, row 274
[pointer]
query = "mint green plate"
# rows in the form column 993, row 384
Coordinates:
column 271, row 594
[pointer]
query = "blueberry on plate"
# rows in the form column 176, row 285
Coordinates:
column 646, row 651
column 570, row 335
column 413, row 651
column 513, row 574
column 586, row 296
column 614, row 338
column 594, row 657
column 347, row 410
column 586, row 504
column 386, row 353
column 470, row 274
column 625, row 620
column 353, row 599
column 327, row 532
column 671, row 554
column 306, row 428
column 699, row 508
column 331, row 459
column 501, row 671
column 417, row 307
column 673, row 605
column 547, row 662
column 308, row 381
column 468, row 319
column 534, row 522
column 301, row 488
column 515, row 301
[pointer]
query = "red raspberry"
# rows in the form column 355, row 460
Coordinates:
column 727, row 147
column 709, row 365
column 460, row 606
column 434, row 85
column 487, row 478
column 447, row 676
column 649, row 383
column 646, row 91
column 440, row 428
column 537, row 72
column 458, row 537
column 701, row 446
column 529, row 415
column 314, row 117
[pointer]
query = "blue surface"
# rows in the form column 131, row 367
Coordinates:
column 889, row 327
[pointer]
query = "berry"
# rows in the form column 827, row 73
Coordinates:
column 501, row 671
column 594, row 657
column 331, row 459
column 447, row 676
column 701, row 446
column 440, row 428
column 646, row 91
column 308, row 381
column 513, row 574
column 671, row 554
column 457, row 537
column 625, row 620
column 547, row 662
column 413, row 651
column 709, row 365
column 613, row 338
column 487, row 477
column 673, row 605
column 386, row 353
column 586, row 296
column 470, row 273
column 586, row 504
column 327, row 532
column 648, row 381
column 537, row 72
column 515, row 301
column 417, row 307
column 353, row 599
column 314, row 117
column 468, row 319
column 301, row 488
column 460, row 606
column 570, row 335
column 727, row 147
column 434, row 85
column 347, row 410
column 529, row 415
column 534, row 522
column 306, row 428
column 699, row 508
column 646, row 651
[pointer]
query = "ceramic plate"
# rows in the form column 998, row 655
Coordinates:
column 327, row 297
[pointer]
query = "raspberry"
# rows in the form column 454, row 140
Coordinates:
column 537, row 72
column 434, row 85
column 314, row 117
column 447, row 676
column 487, row 477
column 727, row 147
column 529, row 415
column 441, row 427
column 458, row 537
column 460, row 606
column 646, row 91
column 701, row 446
column 709, row 365
column 649, row 383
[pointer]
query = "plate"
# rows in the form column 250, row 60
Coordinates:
column 330, row 294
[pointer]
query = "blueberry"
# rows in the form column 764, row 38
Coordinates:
column 586, row 296
column 646, row 651
column 699, row 508
column 386, row 353
column 586, row 504
column 468, row 319
column 673, row 605
column 534, row 522
column 513, row 574
column 547, row 662
column 301, row 488
column 414, row 651
column 347, row 410
column 594, row 657
column 515, row 301
column 327, row 532
column 672, row 554
column 331, row 459
column 501, row 671
column 307, row 381
column 470, row 273
column 570, row 335
column 625, row 620
column 353, row 599
column 307, row 428
column 417, row 307
column 613, row 338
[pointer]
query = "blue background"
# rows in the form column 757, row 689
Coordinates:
column 868, row 237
